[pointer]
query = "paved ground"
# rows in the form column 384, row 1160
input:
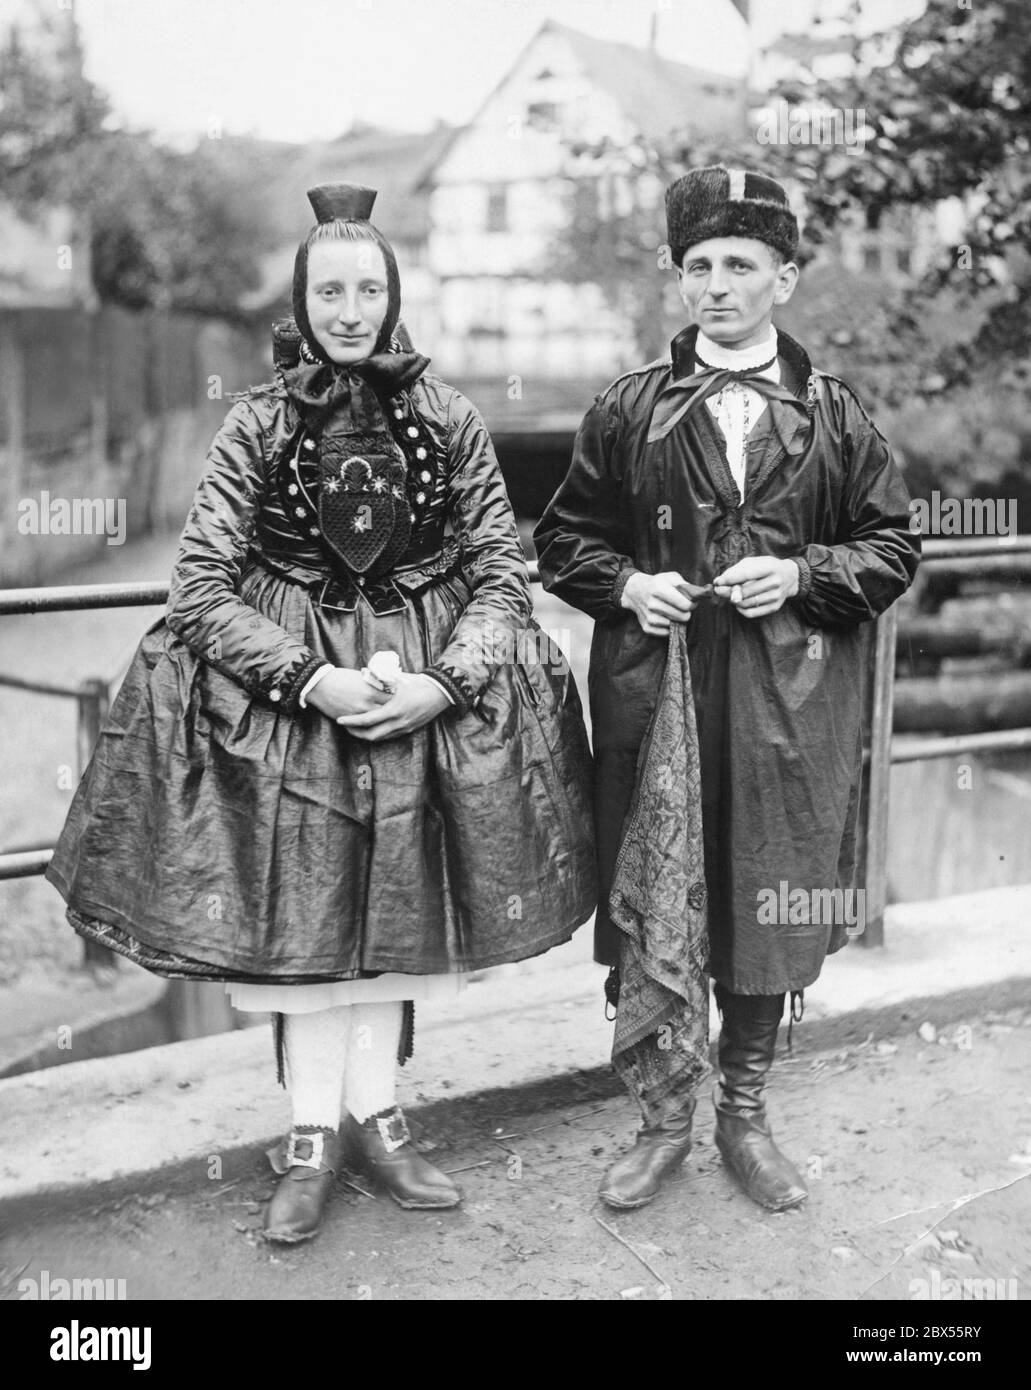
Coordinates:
column 893, row 1135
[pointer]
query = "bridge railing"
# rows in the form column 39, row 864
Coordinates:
column 965, row 556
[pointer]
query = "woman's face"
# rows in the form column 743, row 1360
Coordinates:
column 346, row 297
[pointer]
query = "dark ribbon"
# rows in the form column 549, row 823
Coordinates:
column 320, row 389
column 682, row 395
column 739, row 374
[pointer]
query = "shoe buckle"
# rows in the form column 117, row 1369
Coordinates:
column 314, row 1159
column 393, row 1130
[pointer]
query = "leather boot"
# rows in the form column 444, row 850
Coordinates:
column 635, row 1178
column 308, row 1161
column 748, row 1039
column 382, row 1149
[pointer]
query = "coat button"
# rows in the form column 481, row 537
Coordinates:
column 399, row 415
column 275, row 696
column 420, row 453
column 425, row 476
column 361, row 580
column 413, row 432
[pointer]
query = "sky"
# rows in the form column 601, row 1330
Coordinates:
column 306, row 69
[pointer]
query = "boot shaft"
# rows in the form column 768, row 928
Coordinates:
column 747, row 1046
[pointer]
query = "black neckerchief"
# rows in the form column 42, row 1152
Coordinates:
column 687, row 388
column 320, row 389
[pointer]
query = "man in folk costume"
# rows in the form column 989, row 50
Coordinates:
column 730, row 519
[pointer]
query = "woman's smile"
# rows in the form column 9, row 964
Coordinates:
column 347, row 298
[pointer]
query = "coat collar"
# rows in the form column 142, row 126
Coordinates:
column 794, row 357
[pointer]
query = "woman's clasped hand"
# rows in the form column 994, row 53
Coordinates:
column 369, row 713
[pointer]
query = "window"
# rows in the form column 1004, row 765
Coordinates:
column 872, row 256
column 585, row 200
column 497, row 207
column 542, row 114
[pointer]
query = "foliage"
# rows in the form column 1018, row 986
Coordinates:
column 166, row 228
column 49, row 110
column 173, row 230
column 947, row 102
column 948, row 115
column 618, row 248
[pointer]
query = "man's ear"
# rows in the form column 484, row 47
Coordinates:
column 680, row 286
column 787, row 279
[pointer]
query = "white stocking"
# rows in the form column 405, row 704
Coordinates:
column 316, row 1051
column 371, row 1072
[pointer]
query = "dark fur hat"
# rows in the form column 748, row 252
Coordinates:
column 716, row 201
column 345, row 203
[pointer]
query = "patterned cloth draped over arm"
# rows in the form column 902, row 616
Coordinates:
column 658, row 902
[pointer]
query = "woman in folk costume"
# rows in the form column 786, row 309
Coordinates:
column 342, row 769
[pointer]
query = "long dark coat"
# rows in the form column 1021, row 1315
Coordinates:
column 778, row 699
column 222, row 831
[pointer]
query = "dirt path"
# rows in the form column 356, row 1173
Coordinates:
column 884, row 1134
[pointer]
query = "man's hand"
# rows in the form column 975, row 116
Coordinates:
column 657, row 601
column 345, row 691
column 414, row 703
column 759, row 585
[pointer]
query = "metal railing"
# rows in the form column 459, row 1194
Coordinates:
column 983, row 556
column 990, row 555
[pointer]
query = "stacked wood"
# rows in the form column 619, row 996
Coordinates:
column 1007, row 633
column 963, row 704
column 939, row 580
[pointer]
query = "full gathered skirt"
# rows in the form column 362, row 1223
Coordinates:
column 214, row 836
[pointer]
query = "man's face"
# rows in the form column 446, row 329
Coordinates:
column 730, row 286
column 347, row 297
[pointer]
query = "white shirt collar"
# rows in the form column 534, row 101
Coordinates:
column 718, row 356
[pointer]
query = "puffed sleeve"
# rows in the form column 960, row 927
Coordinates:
column 583, row 539
column 204, row 610
column 492, row 560
column 876, row 554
